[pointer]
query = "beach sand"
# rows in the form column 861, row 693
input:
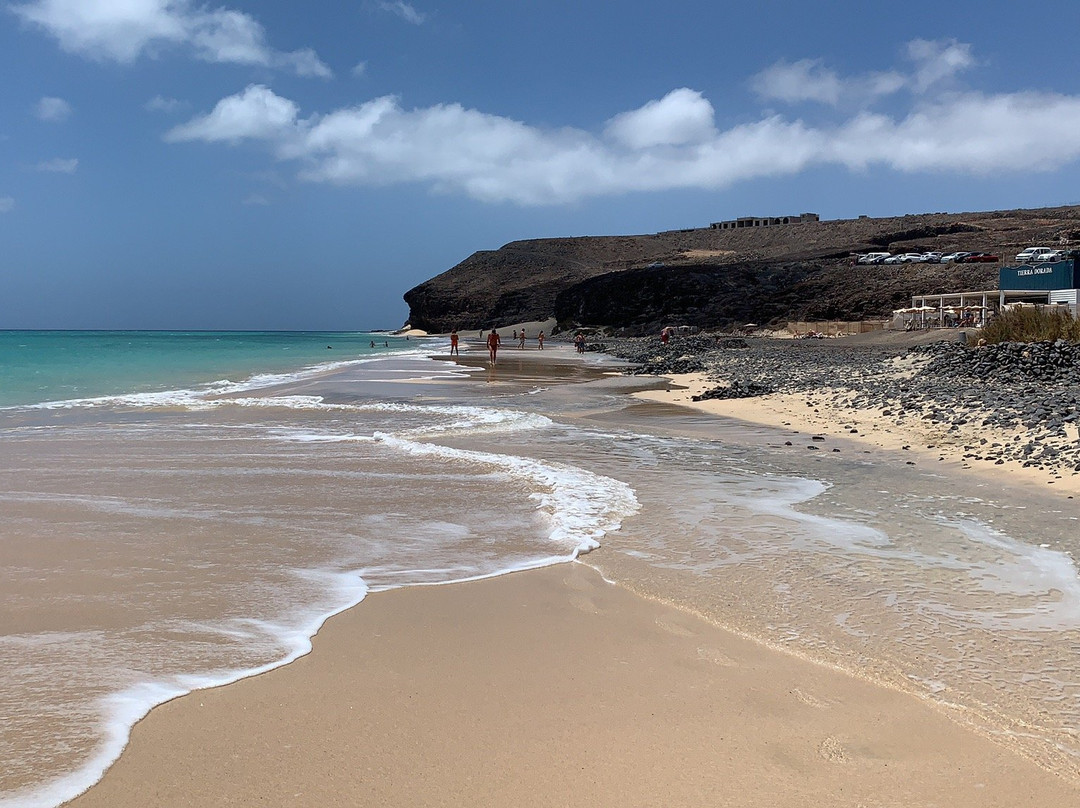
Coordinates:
column 818, row 414
column 553, row 687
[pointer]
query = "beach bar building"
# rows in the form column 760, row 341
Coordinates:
column 972, row 309
column 1055, row 283
column 1051, row 283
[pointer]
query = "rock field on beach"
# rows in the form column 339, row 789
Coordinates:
column 1006, row 402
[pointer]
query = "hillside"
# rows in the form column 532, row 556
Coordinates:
column 713, row 278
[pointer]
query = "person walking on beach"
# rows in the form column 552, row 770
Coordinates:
column 454, row 343
column 521, row 339
column 540, row 340
column 579, row 341
column 515, row 335
column 493, row 345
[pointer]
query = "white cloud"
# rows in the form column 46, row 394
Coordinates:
column 106, row 29
column 162, row 104
column 227, row 36
column 254, row 113
column 669, row 143
column 53, row 110
column 682, row 116
column 810, row 80
column 360, row 69
column 305, row 63
column 935, row 61
column 974, row 133
column 124, row 30
column 805, row 80
column 404, row 10
column 7, row 204
column 59, row 165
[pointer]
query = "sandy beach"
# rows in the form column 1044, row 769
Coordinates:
column 557, row 687
column 554, row 687
column 806, row 416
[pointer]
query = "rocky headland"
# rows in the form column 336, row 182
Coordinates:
column 714, row 279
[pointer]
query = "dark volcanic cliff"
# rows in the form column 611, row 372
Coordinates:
column 713, row 278
column 721, row 296
column 518, row 282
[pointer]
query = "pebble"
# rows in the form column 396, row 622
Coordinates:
column 1002, row 387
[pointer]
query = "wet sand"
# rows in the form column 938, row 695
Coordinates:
column 811, row 415
column 555, row 687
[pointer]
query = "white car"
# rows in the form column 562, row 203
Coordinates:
column 1029, row 253
column 1050, row 255
column 905, row 258
column 873, row 258
column 953, row 256
column 931, row 258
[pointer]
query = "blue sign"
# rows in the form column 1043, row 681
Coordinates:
column 1042, row 277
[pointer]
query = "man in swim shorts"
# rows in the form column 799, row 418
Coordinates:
column 454, row 343
column 493, row 343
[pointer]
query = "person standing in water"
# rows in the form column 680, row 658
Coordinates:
column 521, row 339
column 454, row 343
column 540, row 340
column 493, row 343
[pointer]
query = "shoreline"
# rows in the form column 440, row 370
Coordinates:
column 808, row 417
column 347, row 650
column 554, row 687
column 987, row 411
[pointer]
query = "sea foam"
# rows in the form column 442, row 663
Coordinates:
column 120, row 711
column 579, row 507
column 198, row 397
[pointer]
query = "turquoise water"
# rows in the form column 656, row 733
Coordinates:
column 39, row 366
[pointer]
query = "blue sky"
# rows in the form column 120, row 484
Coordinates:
column 168, row 164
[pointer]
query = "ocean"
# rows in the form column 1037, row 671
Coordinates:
column 179, row 511
column 40, row 366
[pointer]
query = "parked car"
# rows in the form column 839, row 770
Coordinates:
column 980, row 258
column 931, row 257
column 905, row 258
column 949, row 258
column 1051, row 255
column 873, row 258
column 1029, row 253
